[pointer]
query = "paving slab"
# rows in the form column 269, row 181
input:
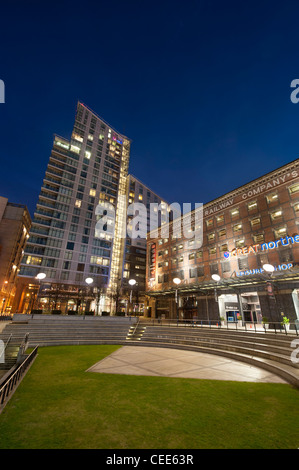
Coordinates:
column 162, row 362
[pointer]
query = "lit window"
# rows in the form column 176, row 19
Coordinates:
column 75, row 149
column 140, row 197
column 272, row 198
column 92, row 192
column 222, row 233
column 78, row 203
column 87, row 154
column 252, row 205
column 77, row 137
column 209, row 223
column 280, row 232
column 256, row 221
column 235, row 213
column 294, row 188
column 259, row 238
column 237, row 227
column 276, row 215
column 61, row 144
column 240, row 243
column 33, row 260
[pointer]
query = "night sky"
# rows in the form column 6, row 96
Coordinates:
column 201, row 87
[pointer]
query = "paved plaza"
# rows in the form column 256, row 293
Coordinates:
column 165, row 362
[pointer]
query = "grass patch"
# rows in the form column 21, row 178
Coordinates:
column 60, row 406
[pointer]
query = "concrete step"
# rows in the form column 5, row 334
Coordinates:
column 288, row 373
column 279, row 346
column 281, row 357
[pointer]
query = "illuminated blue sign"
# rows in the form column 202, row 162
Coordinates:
column 248, row 272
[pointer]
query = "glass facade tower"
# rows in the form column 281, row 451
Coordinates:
column 89, row 169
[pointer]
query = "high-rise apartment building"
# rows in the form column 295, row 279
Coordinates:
column 15, row 223
column 83, row 173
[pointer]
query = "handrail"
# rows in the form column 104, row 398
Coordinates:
column 15, row 378
column 8, row 340
column 247, row 326
column 137, row 323
column 5, row 317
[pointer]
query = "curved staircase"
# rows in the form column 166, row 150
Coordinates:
column 269, row 351
column 275, row 352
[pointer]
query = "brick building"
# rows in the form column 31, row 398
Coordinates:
column 242, row 232
column 15, row 223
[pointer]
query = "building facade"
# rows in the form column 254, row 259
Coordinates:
column 134, row 267
column 242, row 232
column 86, row 173
column 15, row 223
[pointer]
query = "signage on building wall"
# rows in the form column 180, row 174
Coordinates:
column 261, row 247
column 270, row 291
column 248, row 272
column 2, row 91
column 153, row 260
column 233, row 306
column 256, row 191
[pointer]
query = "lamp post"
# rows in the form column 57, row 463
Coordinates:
column 132, row 283
column 177, row 281
column 39, row 277
column 270, row 291
column 216, row 278
column 88, row 281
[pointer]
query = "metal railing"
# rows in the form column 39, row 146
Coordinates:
column 13, row 381
column 5, row 317
column 273, row 327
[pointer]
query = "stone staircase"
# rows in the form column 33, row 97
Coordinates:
column 11, row 353
column 136, row 332
column 269, row 351
column 266, row 350
column 53, row 330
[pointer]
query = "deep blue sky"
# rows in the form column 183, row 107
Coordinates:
column 201, row 87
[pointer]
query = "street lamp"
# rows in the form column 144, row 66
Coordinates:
column 132, row 283
column 89, row 280
column 177, row 281
column 39, row 277
column 268, row 268
column 216, row 278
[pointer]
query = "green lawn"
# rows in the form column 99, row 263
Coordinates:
column 60, row 406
